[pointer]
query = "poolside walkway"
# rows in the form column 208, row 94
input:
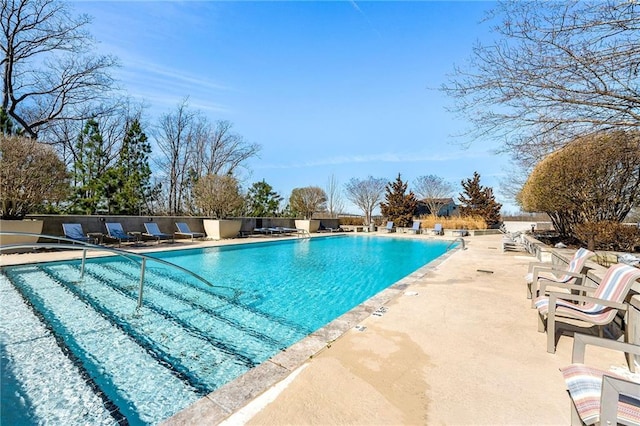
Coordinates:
column 464, row 350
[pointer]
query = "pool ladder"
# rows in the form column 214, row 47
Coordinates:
column 85, row 247
column 460, row 239
column 303, row 233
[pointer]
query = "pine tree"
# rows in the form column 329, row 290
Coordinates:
column 89, row 170
column 130, row 180
column 6, row 124
column 399, row 207
column 479, row 201
column 262, row 200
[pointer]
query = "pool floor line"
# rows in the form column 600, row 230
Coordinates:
column 162, row 357
column 224, row 299
column 168, row 316
column 221, row 404
column 118, row 417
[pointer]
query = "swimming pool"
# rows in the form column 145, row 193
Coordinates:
column 78, row 352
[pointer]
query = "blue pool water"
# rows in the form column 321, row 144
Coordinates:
column 79, row 353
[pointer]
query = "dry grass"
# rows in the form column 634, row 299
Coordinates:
column 428, row 222
column 467, row 222
column 351, row 220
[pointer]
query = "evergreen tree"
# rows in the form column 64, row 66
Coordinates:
column 399, row 207
column 479, row 201
column 6, row 124
column 129, row 183
column 89, row 170
column 262, row 200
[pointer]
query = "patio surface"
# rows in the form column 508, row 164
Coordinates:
column 456, row 345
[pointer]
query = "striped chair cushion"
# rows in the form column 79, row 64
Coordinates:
column 585, row 383
column 568, row 309
column 614, row 286
column 549, row 276
column 576, row 265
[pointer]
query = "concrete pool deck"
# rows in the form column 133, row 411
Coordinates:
column 458, row 346
column 455, row 344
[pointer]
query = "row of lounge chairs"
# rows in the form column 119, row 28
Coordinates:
column 115, row 232
column 512, row 241
column 278, row 230
column 416, row 228
column 561, row 296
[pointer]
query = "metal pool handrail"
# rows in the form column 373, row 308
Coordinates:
column 304, row 234
column 455, row 241
column 80, row 245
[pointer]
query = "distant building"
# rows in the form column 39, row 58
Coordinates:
column 446, row 207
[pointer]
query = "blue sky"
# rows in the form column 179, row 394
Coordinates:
column 332, row 87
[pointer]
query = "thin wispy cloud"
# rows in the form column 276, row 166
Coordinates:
column 366, row 18
column 164, row 87
column 134, row 66
column 375, row 158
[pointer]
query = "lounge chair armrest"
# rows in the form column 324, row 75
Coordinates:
column 538, row 269
column 560, row 272
column 537, row 264
column 566, row 286
column 580, row 342
column 554, row 296
column 612, row 388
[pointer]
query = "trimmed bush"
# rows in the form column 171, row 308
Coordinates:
column 609, row 235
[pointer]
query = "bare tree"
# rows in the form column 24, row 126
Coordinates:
column 218, row 196
column 555, row 70
column 191, row 149
column 432, row 189
column 176, row 136
column 307, row 200
column 366, row 194
column 48, row 71
column 223, row 151
column 335, row 202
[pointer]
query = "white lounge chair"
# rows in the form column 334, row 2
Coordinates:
column 598, row 395
column 599, row 309
column 437, row 229
column 416, row 227
column 512, row 241
column 540, row 271
column 183, row 230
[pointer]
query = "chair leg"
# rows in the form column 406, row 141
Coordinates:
column 575, row 417
column 551, row 336
column 541, row 324
column 533, row 290
column 551, row 325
